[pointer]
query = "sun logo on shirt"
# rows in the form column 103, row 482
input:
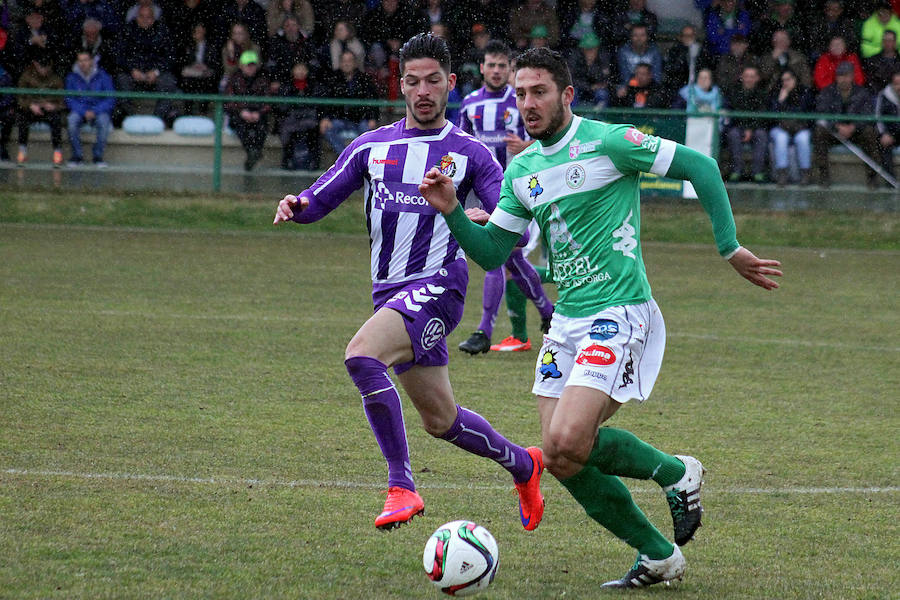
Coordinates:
column 447, row 166
column 535, row 186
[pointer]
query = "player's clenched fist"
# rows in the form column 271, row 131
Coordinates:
column 286, row 208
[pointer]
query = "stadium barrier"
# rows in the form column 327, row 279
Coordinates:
column 669, row 123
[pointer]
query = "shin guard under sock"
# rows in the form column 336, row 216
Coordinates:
column 471, row 432
column 620, row 452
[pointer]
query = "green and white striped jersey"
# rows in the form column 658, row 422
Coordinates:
column 583, row 191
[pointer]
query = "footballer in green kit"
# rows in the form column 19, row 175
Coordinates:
column 580, row 183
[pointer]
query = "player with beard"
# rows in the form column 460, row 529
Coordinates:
column 489, row 113
column 605, row 346
column 419, row 278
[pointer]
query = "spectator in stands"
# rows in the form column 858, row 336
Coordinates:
column 539, row 37
column 343, row 38
column 302, row 10
column 492, row 15
column 239, row 41
column 252, row 15
column 7, row 114
column 199, row 68
column 824, row 72
column 684, row 60
column 779, row 57
column 299, row 129
column 781, row 17
column 591, row 73
column 831, row 22
column 37, row 34
column 880, row 68
column 701, row 96
column 638, row 50
column 730, row 66
column 180, row 18
column 468, row 74
column 790, row 95
column 351, row 12
column 749, row 97
column 95, row 110
column 145, row 63
column 54, row 22
column 39, row 74
column 249, row 120
column 528, row 15
column 104, row 11
column 887, row 104
column 580, row 20
column 722, row 22
column 881, row 20
column 132, row 12
column 7, row 54
column 342, row 124
column 285, row 50
column 636, row 13
column 642, row 90
column 391, row 23
column 844, row 97
column 98, row 44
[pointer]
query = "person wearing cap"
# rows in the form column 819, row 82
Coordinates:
column 591, row 71
column 826, row 66
column 538, row 37
column 39, row 74
column 528, row 15
column 844, row 96
column 882, row 19
column 249, row 120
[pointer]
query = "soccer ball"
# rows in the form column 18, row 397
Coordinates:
column 461, row 558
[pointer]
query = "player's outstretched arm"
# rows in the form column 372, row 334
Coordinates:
column 289, row 205
column 487, row 245
column 755, row 269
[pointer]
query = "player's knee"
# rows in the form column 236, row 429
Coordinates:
column 437, row 424
column 565, row 445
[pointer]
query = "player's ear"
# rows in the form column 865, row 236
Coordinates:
column 568, row 95
column 451, row 80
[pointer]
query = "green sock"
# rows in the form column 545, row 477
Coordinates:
column 516, row 304
column 620, row 452
column 606, row 500
column 544, row 274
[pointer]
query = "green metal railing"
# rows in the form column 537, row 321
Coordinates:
column 218, row 102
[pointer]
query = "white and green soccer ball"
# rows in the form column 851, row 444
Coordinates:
column 461, row 558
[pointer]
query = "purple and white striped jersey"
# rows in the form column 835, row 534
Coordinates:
column 489, row 115
column 407, row 238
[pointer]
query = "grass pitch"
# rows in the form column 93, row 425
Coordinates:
column 176, row 421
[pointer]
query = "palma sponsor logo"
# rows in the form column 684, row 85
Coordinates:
column 596, row 355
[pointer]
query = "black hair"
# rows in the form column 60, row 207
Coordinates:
column 496, row 47
column 426, row 45
column 549, row 60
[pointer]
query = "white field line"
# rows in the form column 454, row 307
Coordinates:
column 291, row 319
column 339, row 484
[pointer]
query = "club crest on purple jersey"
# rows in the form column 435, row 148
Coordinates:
column 447, row 166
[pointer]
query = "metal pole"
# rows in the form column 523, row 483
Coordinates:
column 219, row 119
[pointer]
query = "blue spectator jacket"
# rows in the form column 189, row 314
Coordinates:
column 97, row 81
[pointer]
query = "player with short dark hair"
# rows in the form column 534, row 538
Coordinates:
column 419, row 278
column 605, row 346
column 489, row 113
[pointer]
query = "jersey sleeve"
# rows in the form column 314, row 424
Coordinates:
column 464, row 122
column 334, row 185
column 511, row 214
column 632, row 151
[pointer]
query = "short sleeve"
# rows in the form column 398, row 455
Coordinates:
column 632, row 150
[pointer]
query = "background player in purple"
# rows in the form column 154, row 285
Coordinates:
column 419, row 278
column 490, row 114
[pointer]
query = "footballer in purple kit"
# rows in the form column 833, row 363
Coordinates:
column 419, row 278
column 490, row 115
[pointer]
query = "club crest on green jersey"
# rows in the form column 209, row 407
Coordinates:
column 575, row 176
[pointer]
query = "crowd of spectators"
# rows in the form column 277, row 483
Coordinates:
column 748, row 55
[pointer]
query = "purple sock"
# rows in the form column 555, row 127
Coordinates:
column 382, row 405
column 494, row 283
column 471, row 432
column 529, row 282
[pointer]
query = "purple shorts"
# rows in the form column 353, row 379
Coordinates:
column 432, row 307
